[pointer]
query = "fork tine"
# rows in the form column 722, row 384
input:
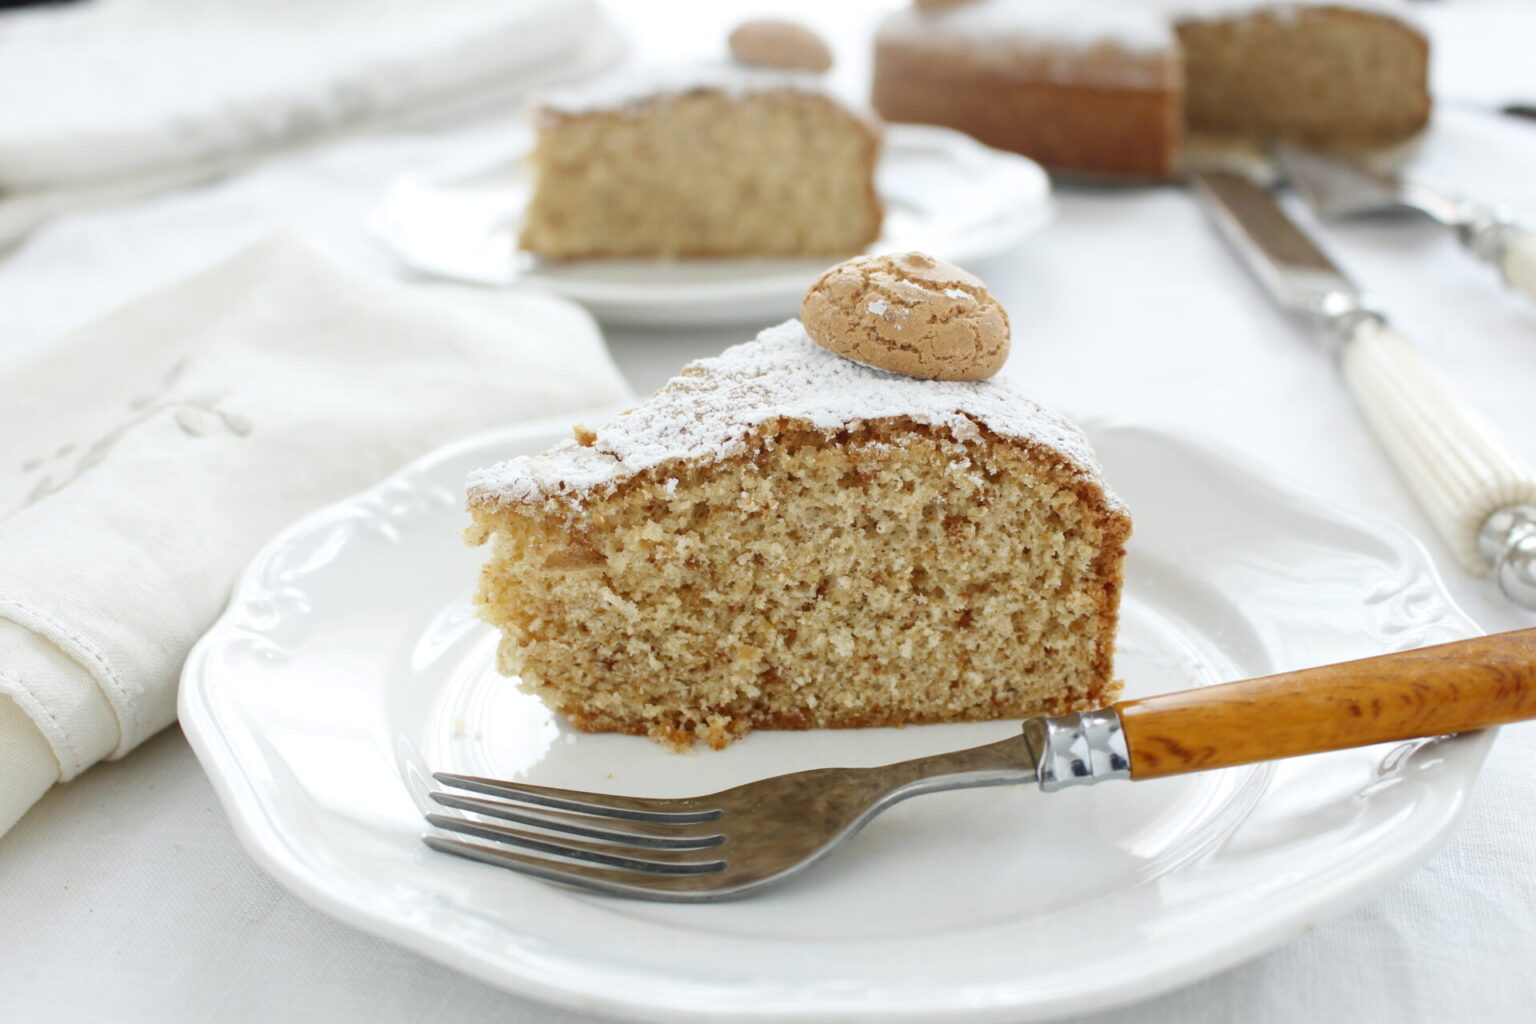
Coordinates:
column 636, row 833
column 687, row 810
column 668, row 888
column 658, row 862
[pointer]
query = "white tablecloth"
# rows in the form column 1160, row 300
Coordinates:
column 125, row 897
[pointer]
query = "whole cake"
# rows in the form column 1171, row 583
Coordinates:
column 784, row 538
column 1118, row 87
column 708, row 160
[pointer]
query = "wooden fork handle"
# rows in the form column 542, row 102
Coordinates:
column 1455, row 687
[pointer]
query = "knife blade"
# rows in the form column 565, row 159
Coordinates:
column 1341, row 188
column 1297, row 273
column 1475, row 488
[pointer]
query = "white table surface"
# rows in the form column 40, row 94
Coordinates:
column 124, row 896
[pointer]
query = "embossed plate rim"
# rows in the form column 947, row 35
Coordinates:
column 543, row 969
column 458, row 226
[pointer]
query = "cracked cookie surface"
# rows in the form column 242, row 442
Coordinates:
column 908, row 313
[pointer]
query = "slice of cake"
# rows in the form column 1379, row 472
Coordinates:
column 718, row 160
column 1327, row 75
column 1116, row 87
column 784, row 538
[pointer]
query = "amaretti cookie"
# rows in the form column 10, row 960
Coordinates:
column 779, row 43
column 783, row 538
column 909, row 313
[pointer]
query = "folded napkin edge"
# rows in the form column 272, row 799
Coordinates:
column 87, row 660
column 27, row 762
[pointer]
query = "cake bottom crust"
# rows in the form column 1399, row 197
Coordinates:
column 717, row 731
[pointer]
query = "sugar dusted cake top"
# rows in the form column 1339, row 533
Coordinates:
column 1132, row 26
column 633, row 87
column 1080, row 24
column 1096, row 43
column 1118, row 44
column 707, row 411
column 1205, row 9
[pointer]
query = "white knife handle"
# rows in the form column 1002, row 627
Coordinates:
column 1518, row 262
column 1456, row 464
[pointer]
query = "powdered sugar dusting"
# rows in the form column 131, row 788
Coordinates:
column 1068, row 34
column 706, row 412
column 1195, row 10
column 1080, row 24
column 632, row 88
column 1134, row 26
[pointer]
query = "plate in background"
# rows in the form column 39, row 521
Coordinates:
column 349, row 664
column 944, row 193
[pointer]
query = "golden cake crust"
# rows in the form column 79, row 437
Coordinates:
column 1131, row 131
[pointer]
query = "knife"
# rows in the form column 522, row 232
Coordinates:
column 1340, row 188
column 1479, row 493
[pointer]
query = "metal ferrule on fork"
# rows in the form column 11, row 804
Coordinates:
column 726, row 844
column 1079, row 749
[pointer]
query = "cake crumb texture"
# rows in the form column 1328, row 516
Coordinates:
column 785, row 567
column 1320, row 76
column 725, row 169
column 885, row 575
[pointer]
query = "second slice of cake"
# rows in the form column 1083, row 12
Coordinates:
column 712, row 160
column 783, row 538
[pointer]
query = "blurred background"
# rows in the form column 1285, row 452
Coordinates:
column 142, row 139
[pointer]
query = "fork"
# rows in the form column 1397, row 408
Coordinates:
column 728, row 844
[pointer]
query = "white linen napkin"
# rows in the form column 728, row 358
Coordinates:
column 115, row 98
column 145, row 458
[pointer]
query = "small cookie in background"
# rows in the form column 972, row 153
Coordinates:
column 777, row 43
column 908, row 313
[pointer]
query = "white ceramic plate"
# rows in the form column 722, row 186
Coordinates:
column 944, row 193
column 349, row 665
